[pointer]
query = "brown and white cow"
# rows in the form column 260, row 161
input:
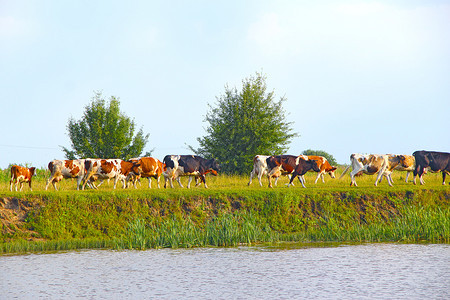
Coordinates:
column 278, row 165
column 60, row 169
column 370, row 164
column 188, row 165
column 407, row 163
column 324, row 167
column 149, row 167
column 109, row 169
column 19, row 175
column 260, row 168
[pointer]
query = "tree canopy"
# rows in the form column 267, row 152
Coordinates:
column 243, row 124
column 328, row 156
column 104, row 132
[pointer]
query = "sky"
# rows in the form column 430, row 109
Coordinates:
column 357, row 76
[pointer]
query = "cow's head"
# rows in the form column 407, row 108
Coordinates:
column 403, row 161
column 134, row 173
column 213, row 166
column 331, row 172
column 135, row 169
column 32, row 171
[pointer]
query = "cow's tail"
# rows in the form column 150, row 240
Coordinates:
column 345, row 171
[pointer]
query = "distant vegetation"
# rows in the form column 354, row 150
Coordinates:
column 328, row 156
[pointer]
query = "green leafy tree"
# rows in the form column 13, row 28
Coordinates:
column 245, row 123
column 328, row 156
column 104, row 132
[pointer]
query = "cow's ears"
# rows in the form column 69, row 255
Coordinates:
column 333, row 168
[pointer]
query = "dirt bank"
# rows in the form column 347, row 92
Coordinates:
column 13, row 214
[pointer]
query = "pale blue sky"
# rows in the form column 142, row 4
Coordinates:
column 359, row 76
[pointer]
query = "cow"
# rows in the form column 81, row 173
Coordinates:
column 260, row 168
column 278, row 165
column 407, row 163
column 60, row 169
column 371, row 164
column 435, row 161
column 109, row 169
column 148, row 167
column 324, row 167
column 19, row 175
column 188, row 165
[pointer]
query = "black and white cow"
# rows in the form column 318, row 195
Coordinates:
column 435, row 161
column 188, row 165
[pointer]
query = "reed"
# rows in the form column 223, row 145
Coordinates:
column 226, row 230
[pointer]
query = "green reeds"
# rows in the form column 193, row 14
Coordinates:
column 226, row 230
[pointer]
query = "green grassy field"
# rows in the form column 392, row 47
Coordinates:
column 227, row 214
column 224, row 182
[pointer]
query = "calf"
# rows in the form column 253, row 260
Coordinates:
column 188, row 165
column 149, row 167
column 282, row 165
column 324, row 167
column 60, row 169
column 19, row 175
column 435, row 161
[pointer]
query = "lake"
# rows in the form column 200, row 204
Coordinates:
column 289, row 271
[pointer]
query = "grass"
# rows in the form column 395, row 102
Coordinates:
column 229, row 213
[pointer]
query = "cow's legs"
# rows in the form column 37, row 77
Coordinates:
column 51, row 179
column 179, row 181
column 157, row 180
column 79, row 179
column 260, row 174
column 276, row 172
column 11, row 183
column 317, row 178
column 302, row 180
column 352, row 176
column 203, row 178
column 292, row 179
column 407, row 175
column 29, row 183
column 443, row 177
column 251, row 176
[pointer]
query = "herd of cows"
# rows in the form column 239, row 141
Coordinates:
column 89, row 171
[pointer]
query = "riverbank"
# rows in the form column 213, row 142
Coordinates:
column 38, row 221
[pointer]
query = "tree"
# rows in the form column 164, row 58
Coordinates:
column 243, row 124
column 329, row 157
column 104, row 132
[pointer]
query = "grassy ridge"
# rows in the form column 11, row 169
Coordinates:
column 229, row 213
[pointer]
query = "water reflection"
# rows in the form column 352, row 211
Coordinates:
column 372, row 271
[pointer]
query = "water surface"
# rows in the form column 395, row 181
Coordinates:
column 369, row 271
